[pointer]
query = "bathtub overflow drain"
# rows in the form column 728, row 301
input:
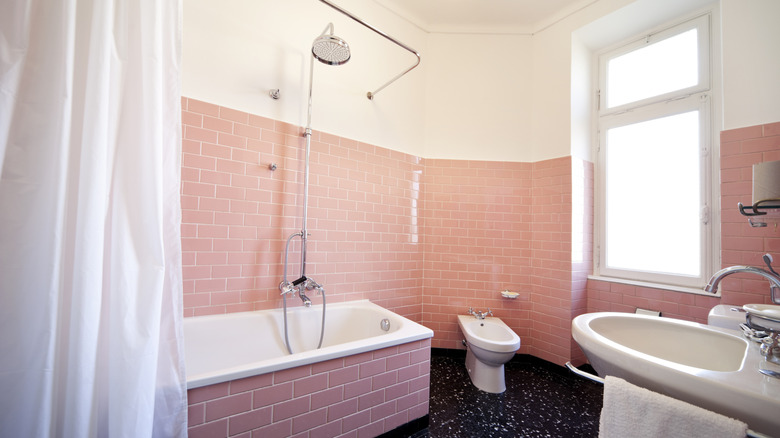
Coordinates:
column 385, row 324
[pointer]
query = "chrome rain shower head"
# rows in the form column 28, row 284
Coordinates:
column 330, row 49
column 370, row 94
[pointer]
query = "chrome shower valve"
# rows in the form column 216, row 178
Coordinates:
column 287, row 288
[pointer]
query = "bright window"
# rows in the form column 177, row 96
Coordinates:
column 653, row 70
column 654, row 161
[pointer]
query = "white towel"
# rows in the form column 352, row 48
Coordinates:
column 631, row 411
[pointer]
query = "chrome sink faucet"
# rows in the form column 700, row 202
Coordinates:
column 479, row 315
column 771, row 275
column 770, row 348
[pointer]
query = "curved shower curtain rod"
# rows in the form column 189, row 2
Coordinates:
column 370, row 94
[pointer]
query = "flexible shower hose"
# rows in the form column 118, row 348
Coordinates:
column 322, row 328
column 284, row 300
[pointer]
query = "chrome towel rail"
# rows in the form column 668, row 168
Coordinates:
column 584, row 374
column 744, row 210
column 764, row 204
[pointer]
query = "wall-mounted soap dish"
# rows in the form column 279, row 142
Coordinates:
column 509, row 294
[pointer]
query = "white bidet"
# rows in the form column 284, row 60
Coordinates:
column 491, row 344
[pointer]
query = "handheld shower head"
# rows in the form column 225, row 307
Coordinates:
column 330, row 49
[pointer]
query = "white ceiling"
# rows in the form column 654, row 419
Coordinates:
column 483, row 16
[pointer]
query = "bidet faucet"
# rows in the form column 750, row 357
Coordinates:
column 773, row 277
column 480, row 315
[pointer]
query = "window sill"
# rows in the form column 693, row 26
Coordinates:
column 682, row 289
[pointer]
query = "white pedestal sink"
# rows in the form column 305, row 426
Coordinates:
column 711, row 367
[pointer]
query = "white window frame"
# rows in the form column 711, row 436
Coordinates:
column 697, row 97
column 702, row 24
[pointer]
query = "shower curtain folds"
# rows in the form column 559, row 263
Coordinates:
column 90, row 247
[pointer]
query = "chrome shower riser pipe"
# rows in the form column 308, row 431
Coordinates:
column 304, row 233
column 332, row 50
column 307, row 153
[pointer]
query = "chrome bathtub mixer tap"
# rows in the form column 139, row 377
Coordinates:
column 300, row 286
column 291, row 289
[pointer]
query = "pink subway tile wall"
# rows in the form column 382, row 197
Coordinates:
column 492, row 226
column 741, row 244
column 582, row 242
column 551, row 260
column 367, row 394
column 237, row 214
column 477, row 226
column 425, row 238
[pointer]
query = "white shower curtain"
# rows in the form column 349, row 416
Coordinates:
column 90, row 258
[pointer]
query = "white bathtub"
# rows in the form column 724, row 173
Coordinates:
column 219, row 348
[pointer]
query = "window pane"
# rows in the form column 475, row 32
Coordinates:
column 668, row 65
column 653, row 196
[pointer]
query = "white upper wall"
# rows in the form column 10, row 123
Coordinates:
column 751, row 62
column 478, row 97
column 235, row 51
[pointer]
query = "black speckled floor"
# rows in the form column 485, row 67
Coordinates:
column 541, row 400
